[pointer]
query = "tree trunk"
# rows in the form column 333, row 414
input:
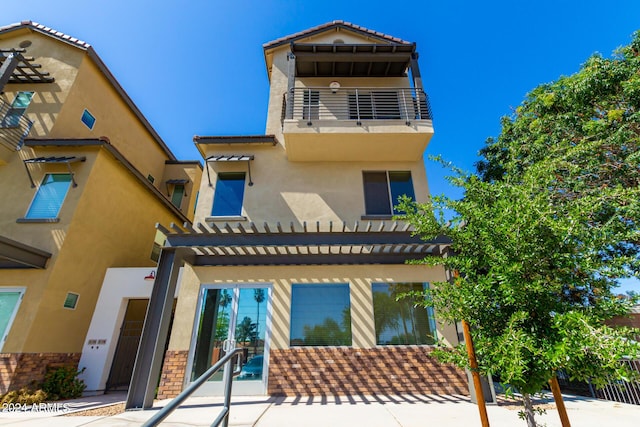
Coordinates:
column 528, row 410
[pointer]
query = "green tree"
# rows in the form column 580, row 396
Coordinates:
column 329, row 332
column 246, row 330
column 259, row 296
column 544, row 229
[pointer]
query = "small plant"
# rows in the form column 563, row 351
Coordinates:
column 24, row 396
column 63, row 383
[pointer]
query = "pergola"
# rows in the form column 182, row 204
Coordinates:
column 379, row 242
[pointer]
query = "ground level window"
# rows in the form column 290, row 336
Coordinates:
column 401, row 322
column 9, row 302
column 320, row 315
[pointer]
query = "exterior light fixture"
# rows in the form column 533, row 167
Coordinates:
column 334, row 86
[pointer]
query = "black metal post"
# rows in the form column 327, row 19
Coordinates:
column 155, row 332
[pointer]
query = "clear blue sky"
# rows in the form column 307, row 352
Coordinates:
column 478, row 59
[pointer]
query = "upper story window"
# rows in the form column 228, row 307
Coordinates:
column 382, row 190
column 9, row 302
column 320, row 315
column 177, row 195
column 50, row 195
column 227, row 200
column 88, row 119
column 17, row 109
column 403, row 321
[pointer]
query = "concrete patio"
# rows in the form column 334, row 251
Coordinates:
column 334, row 411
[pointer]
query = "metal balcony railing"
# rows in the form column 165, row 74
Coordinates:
column 357, row 104
column 14, row 126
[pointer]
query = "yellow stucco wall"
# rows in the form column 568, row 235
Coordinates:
column 190, row 171
column 60, row 60
column 359, row 277
column 300, row 191
column 112, row 226
column 114, row 120
column 106, row 221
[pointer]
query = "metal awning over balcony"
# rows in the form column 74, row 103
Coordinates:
column 352, row 60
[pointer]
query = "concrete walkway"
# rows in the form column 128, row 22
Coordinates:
column 334, row 411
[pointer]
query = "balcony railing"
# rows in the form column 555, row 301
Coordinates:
column 357, row 104
column 14, row 126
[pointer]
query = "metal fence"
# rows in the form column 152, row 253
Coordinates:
column 358, row 104
column 623, row 391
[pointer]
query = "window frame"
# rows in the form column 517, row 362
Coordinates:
column 430, row 316
column 390, row 210
column 174, row 192
column 55, row 217
column 347, row 330
column 12, row 317
column 88, row 119
column 237, row 213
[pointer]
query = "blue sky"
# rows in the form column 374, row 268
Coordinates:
column 478, row 59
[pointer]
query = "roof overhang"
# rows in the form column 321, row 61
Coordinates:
column 352, row 60
column 14, row 254
column 384, row 242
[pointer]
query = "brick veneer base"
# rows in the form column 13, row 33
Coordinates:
column 172, row 378
column 19, row 370
column 348, row 371
column 312, row 371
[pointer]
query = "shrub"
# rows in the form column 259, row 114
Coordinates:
column 24, row 396
column 62, row 383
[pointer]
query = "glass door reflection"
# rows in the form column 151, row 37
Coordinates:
column 232, row 317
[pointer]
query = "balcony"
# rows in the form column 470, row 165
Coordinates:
column 14, row 127
column 356, row 124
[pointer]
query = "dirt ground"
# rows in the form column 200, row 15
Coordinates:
column 105, row 411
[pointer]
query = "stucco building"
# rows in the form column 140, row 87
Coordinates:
column 295, row 256
column 83, row 179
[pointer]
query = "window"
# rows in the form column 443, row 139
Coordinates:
column 383, row 189
column 178, row 194
column 71, row 301
column 88, row 119
column 401, row 322
column 227, row 200
column 9, row 301
column 48, row 200
column 320, row 315
column 17, row 109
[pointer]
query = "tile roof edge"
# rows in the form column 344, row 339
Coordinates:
column 333, row 24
